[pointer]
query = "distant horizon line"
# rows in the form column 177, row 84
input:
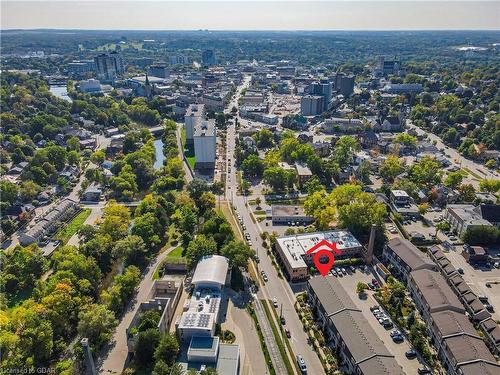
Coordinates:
column 253, row 30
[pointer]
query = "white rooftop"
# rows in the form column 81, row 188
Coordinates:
column 295, row 247
column 202, row 309
column 211, row 270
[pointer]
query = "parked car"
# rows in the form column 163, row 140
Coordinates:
column 287, row 333
column 398, row 338
column 460, row 271
column 424, row 371
column 395, row 332
column 410, row 354
column 275, row 302
column 374, row 307
column 387, row 324
column 282, row 320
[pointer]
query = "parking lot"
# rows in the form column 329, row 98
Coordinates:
column 477, row 277
column 349, row 282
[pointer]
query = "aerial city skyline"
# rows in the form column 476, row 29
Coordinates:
column 250, row 188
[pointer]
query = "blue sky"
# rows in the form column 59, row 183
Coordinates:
column 252, row 15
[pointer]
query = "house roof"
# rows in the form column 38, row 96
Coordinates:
column 409, row 254
column 465, row 348
column 435, row 291
column 479, row 368
column 332, row 295
column 451, row 323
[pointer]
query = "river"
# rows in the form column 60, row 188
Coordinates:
column 159, row 154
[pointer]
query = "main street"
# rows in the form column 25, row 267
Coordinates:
column 276, row 287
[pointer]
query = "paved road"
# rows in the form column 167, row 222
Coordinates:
column 455, row 158
column 275, row 287
column 114, row 357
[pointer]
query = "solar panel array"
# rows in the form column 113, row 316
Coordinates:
column 204, row 320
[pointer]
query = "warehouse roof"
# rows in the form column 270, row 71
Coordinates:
column 211, row 269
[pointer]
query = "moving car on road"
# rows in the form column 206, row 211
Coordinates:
column 302, row 364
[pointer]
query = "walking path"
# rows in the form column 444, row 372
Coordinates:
column 114, row 356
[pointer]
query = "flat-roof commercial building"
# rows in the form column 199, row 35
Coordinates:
column 350, row 334
column 201, row 312
column 404, row 257
column 464, row 216
column 292, row 250
column 287, row 214
column 205, row 142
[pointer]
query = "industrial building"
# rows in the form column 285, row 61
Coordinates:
column 201, row 312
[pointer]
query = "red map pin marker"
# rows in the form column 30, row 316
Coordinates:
column 323, row 268
column 324, row 249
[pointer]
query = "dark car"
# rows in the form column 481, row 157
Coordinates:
column 424, row 371
column 283, row 321
column 410, row 354
column 398, row 338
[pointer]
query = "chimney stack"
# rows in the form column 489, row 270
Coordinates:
column 371, row 243
column 89, row 361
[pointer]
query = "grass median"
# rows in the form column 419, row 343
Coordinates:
column 263, row 346
column 278, row 335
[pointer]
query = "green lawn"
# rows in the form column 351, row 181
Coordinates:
column 72, row 227
column 175, row 256
column 175, row 253
column 191, row 161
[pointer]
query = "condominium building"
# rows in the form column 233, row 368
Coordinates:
column 108, row 66
column 311, row 105
column 204, row 137
column 208, row 57
column 345, row 327
column 194, row 114
column 403, row 257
